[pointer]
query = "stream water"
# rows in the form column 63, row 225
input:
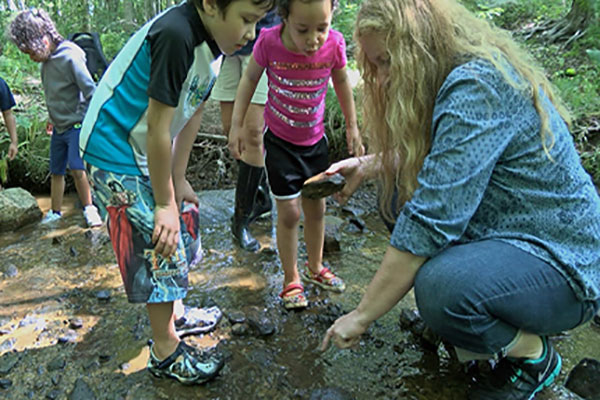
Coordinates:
column 64, row 316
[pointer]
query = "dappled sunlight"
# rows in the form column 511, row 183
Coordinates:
column 44, row 329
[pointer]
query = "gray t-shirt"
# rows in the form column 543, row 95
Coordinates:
column 487, row 177
column 68, row 85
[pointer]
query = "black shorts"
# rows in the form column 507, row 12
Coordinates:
column 289, row 165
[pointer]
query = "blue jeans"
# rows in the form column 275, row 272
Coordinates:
column 479, row 296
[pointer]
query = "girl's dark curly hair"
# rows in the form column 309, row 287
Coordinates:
column 268, row 5
column 283, row 6
column 29, row 27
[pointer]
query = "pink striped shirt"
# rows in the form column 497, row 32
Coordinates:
column 297, row 85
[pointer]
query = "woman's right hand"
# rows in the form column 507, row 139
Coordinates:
column 351, row 169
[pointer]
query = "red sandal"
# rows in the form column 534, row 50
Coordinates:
column 296, row 300
column 324, row 279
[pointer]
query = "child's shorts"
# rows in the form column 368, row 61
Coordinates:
column 229, row 77
column 64, row 149
column 289, row 165
column 129, row 202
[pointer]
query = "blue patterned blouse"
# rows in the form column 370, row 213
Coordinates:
column 487, row 177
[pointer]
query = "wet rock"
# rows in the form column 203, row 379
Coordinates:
column 330, row 394
column 56, row 364
column 104, row 358
column 5, row 383
column 93, row 364
column 17, row 208
column 75, row 323
column 103, row 295
column 332, row 240
column 352, row 211
column 7, row 345
column 323, row 185
column 39, row 323
column 260, row 323
column 70, row 336
column 583, row 379
column 411, row 320
column 11, row 271
column 236, row 317
column 351, row 228
column 358, row 222
column 408, row 318
column 239, row 329
column 53, row 394
column 7, row 362
column 56, row 379
column 81, row 391
column 268, row 251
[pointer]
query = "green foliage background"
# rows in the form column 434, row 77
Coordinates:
column 574, row 69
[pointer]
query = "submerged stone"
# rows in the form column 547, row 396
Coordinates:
column 583, row 379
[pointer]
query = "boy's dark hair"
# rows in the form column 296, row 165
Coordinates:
column 268, row 5
column 283, row 6
column 29, row 27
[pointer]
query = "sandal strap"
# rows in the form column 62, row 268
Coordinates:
column 169, row 360
column 290, row 287
column 324, row 271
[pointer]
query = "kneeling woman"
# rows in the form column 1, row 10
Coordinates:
column 497, row 225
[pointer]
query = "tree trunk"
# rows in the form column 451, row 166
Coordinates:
column 575, row 24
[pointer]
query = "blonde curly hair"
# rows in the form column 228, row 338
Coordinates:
column 425, row 40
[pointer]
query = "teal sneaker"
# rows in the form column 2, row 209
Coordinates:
column 51, row 216
column 519, row 379
column 187, row 365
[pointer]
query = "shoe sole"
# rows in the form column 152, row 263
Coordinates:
column 197, row 381
column 323, row 285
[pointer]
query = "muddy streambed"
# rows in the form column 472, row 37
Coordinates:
column 65, row 322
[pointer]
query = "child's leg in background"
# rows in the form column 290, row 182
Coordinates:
column 57, row 189
column 71, row 138
column 59, row 147
column 288, row 219
column 82, row 186
column 314, row 232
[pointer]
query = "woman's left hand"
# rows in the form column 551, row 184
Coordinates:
column 345, row 331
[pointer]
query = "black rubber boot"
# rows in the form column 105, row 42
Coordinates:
column 249, row 179
column 262, row 203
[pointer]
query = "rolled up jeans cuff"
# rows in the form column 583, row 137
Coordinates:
column 465, row 355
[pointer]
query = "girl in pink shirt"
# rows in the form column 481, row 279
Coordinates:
column 300, row 56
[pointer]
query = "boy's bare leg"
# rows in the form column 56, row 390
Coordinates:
column 57, row 189
column 314, row 231
column 162, row 322
column 288, row 218
column 82, row 186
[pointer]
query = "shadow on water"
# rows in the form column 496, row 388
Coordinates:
column 64, row 316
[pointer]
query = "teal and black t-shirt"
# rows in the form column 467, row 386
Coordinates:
column 171, row 59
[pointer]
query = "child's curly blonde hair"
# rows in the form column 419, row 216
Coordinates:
column 29, row 27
